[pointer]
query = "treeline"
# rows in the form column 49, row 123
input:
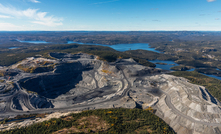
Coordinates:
column 119, row 121
column 196, row 53
column 104, row 53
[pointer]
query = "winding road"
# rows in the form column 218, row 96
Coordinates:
column 25, row 98
column 10, row 111
column 177, row 112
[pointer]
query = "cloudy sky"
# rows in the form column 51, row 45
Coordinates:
column 110, row 15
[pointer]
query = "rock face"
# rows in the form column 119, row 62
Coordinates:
column 63, row 79
column 80, row 82
column 40, row 102
column 188, row 108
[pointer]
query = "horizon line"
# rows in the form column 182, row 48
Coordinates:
column 112, row 31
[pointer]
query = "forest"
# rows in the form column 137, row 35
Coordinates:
column 190, row 49
column 104, row 121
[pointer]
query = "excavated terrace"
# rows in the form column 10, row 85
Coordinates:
column 81, row 81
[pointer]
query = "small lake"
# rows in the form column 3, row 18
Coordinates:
column 34, row 42
column 70, row 42
column 135, row 46
column 13, row 47
column 167, row 66
column 170, row 64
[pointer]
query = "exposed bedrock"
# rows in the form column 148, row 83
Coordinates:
column 17, row 103
column 71, row 56
column 65, row 77
column 186, row 107
column 40, row 102
column 82, row 82
column 100, row 92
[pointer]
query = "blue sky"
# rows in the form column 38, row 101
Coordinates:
column 110, row 15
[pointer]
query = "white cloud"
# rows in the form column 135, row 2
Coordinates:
column 211, row 0
column 29, row 13
column 8, row 27
column 34, row 15
column 5, row 16
column 35, row 1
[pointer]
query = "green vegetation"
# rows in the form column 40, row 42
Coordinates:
column 181, row 68
column 190, row 48
column 104, row 53
column 161, row 63
column 20, row 118
column 149, row 55
column 197, row 53
column 213, row 85
column 194, row 63
column 4, row 121
column 110, row 121
column 209, row 71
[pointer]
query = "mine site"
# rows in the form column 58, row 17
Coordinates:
column 110, row 67
column 76, row 82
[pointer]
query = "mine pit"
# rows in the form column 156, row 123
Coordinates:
column 80, row 82
column 51, row 86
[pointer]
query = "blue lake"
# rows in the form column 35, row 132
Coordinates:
column 70, row 42
column 172, row 64
column 13, row 47
column 168, row 65
column 123, row 47
column 219, row 78
column 34, row 42
column 135, row 46
column 118, row 47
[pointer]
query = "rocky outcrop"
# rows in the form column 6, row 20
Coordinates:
column 186, row 107
column 80, row 82
column 40, row 102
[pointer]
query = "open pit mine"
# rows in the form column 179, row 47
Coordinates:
column 76, row 82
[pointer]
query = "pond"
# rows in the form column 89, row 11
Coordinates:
column 169, row 64
column 166, row 66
